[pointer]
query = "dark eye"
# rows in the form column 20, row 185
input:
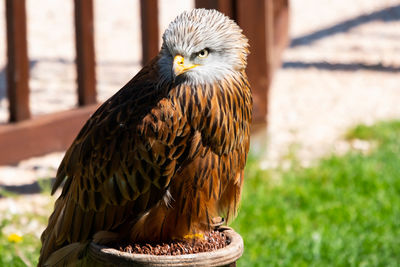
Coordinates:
column 203, row 53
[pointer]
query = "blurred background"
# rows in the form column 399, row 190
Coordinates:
column 324, row 166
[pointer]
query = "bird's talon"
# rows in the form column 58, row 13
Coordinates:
column 216, row 222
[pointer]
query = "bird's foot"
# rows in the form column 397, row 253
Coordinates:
column 216, row 222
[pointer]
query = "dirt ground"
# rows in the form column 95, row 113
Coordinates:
column 341, row 68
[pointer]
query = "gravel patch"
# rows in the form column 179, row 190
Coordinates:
column 348, row 76
column 210, row 241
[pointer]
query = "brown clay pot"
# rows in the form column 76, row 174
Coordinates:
column 104, row 256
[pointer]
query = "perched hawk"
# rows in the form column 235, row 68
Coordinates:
column 165, row 155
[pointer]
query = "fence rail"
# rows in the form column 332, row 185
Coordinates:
column 265, row 23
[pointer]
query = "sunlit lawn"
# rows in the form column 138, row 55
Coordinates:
column 19, row 248
column 343, row 211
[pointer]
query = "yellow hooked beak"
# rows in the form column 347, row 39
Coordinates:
column 180, row 67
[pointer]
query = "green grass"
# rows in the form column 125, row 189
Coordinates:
column 23, row 252
column 343, row 211
column 24, row 248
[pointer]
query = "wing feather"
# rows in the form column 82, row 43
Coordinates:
column 111, row 165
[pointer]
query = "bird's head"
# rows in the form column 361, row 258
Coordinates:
column 202, row 46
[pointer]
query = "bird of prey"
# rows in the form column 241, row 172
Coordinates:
column 164, row 156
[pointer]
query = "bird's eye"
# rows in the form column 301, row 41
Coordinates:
column 203, row 53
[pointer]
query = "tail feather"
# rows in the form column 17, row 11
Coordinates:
column 105, row 237
column 68, row 255
column 48, row 236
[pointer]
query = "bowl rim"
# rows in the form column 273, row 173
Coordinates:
column 229, row 254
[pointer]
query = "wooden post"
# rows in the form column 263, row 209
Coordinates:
column 18, row 64
column 256, row 19
column 149, row 22
column 281, row 30
column 228, row 7
column 85, row 54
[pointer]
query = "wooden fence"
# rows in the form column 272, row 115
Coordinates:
column 265, row 23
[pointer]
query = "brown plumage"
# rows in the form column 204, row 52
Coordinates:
column 165, row 155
